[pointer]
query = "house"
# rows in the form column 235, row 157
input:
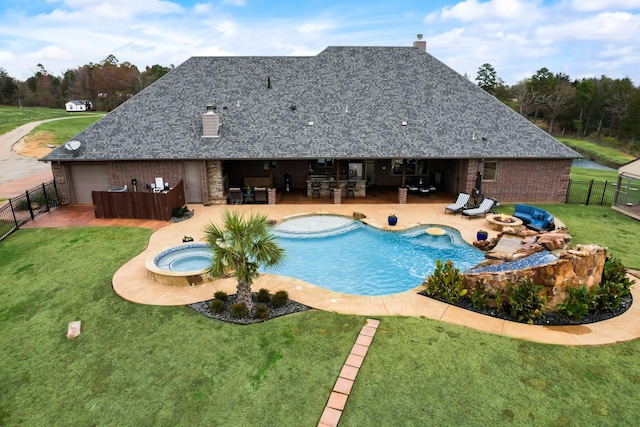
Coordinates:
column 78, row 105
column 627, row 196
column 377, row 116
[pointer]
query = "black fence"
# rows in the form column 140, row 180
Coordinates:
column 591, row 192
column 26, row 207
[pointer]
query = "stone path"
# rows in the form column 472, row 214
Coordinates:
column 340, row 393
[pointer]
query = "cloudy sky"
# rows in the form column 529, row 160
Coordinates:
column 581, row 38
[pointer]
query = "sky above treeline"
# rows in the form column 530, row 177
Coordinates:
column 580, row 38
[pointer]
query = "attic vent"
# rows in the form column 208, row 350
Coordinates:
column 210, row 122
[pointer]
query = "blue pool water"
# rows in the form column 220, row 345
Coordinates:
column 191, row 257
column 537, row 258
column 353, row 258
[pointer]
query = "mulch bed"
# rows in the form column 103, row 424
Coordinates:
column 548, row 318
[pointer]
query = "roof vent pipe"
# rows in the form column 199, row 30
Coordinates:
column 268, row 82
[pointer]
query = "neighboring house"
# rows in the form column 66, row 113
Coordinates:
column 627, row 196
column 220, row 122
column 78, row 105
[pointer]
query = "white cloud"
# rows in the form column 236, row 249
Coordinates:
column 502, row 10
column 235, row 2
column 597, row 5
column 604, row 27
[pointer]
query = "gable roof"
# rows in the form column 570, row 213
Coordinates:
column 356, row 97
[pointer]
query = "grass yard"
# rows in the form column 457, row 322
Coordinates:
column 585, row 174
column 60, row 131
column 12, row 117
column 144, row 365
column 602, row 154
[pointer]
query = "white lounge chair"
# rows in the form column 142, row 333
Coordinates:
column 458, row 205
column 483, row 209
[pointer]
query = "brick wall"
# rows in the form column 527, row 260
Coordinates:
column 541, row 181
column 145, row 172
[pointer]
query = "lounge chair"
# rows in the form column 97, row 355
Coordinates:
column 484, row 208
column 458, row 205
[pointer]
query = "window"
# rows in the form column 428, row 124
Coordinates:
column 490, row 171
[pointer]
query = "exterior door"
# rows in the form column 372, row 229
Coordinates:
column 192, row 182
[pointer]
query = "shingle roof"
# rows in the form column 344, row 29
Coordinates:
column 356, row 97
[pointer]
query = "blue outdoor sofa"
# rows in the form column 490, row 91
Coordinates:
column 534, row 217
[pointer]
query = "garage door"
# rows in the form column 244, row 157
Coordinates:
column 88, row 178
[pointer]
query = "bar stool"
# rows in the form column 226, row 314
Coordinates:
column 315, row 189
column 351, row 186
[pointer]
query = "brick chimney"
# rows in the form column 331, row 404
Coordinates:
column 210, row 122
column 420, row 44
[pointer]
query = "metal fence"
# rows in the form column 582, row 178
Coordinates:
column 591, row 192
column 21, row 209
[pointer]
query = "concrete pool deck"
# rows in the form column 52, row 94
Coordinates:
column 132, row 283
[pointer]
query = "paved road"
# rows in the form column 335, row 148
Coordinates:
column 19, row 173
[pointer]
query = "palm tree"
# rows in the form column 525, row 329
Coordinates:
column 240, row 249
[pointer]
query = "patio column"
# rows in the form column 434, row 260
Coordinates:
column 402, row 196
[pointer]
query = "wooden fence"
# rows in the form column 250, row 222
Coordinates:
column 138, row 204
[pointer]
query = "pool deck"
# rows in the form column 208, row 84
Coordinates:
column 131, row 282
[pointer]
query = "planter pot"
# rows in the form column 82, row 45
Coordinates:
column 392, row 220
column 481, row 236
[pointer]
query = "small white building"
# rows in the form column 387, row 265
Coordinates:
column 78, row 105
column 627, row 197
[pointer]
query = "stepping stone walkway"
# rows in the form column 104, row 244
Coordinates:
column 338, row 398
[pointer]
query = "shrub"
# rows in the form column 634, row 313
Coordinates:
column 263, row 296
column 499, row 300
column 262, row 311
column 525, row 300
column 615, row 285
column 478, row 296
column 221, row 295
column 445, row 283
column 216, row 306
column 578, row 304
column 179, row 211
column 280, row 299
column 238, row 310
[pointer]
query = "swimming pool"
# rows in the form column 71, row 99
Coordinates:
column 349, row 257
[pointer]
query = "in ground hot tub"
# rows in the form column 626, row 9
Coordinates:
column 184, row 265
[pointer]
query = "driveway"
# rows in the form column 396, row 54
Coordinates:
column 19, row 173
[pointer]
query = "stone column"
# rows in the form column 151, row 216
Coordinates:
column 337, row 196
column 402, row 196
column 271, row 196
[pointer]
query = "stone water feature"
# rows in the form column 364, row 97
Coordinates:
column 566, row 267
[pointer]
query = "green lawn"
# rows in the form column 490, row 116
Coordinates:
column 64, row 130
column 12, row 117
column 144, row 365
column 601, row 154
column 585, row 174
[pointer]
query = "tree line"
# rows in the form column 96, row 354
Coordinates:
column 601, row 108
column 106, row 84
